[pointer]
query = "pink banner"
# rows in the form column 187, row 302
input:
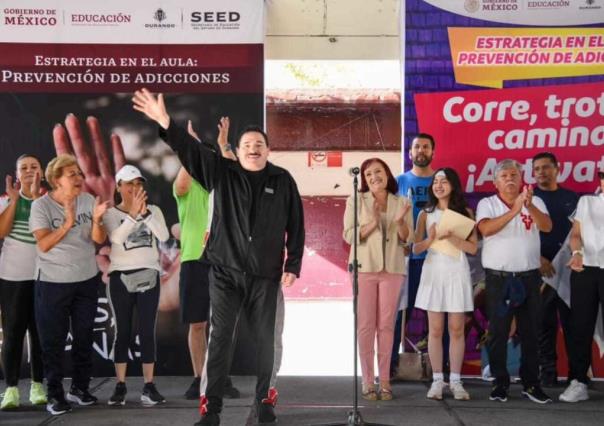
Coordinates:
column 476, row 129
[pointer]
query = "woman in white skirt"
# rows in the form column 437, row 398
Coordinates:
column 445, row 285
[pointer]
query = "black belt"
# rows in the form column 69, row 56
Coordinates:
column 506, row 274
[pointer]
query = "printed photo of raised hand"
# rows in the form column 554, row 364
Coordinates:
column 98, row 164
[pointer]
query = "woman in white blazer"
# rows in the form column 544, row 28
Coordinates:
column 384, row 226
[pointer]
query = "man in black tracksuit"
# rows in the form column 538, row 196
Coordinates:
column 256, row 243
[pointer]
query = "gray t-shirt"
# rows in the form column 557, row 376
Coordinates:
column 73, row 258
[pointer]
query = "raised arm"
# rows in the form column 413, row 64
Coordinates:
column 154, row 108
column 223, row 139
column 199, row 160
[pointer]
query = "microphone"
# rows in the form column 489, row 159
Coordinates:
column 353, row 171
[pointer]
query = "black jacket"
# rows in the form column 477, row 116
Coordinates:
column 278, row 225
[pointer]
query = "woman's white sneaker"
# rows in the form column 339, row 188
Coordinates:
column 575, row 392
column 436, row 390
column 458, row 391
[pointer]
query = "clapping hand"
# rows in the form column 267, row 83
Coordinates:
column 100, row 207
column 12, row 189
column 527, row 194
column 70, row 214
column 36, row 189
column 139, row 203
column 519, row 202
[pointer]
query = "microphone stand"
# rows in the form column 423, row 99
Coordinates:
column 354, row 416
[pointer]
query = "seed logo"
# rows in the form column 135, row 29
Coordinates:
column 215, row 20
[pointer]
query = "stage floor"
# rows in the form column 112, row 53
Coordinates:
column 315, row 400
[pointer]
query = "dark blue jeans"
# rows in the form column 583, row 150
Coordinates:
column 57, row 305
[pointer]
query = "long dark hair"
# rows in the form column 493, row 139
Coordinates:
column 391, row 187
column 457, row 201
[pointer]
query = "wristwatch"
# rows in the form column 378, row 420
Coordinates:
column 227, row 147
column 579, row 252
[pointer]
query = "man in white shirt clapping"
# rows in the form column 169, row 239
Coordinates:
column 510, row 222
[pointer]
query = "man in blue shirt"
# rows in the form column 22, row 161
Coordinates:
column 414, row 185
column 561, row 203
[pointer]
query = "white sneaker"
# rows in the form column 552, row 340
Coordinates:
column 458, row 391
column 436, row 390
column 575, row 392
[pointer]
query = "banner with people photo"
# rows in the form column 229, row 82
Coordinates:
column 498, row 79
column 67, row 74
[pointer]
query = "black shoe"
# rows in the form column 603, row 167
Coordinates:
column 499, row 393
column 57, row 405
column 193, row 392
column 265, row 413
column 209, row 419
column 151, row 396
column 81, row 396
column 119, row 394
column 536, row 394
column 230, row 391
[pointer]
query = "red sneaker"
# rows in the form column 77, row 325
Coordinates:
column 273, row 395
column 203, row 405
